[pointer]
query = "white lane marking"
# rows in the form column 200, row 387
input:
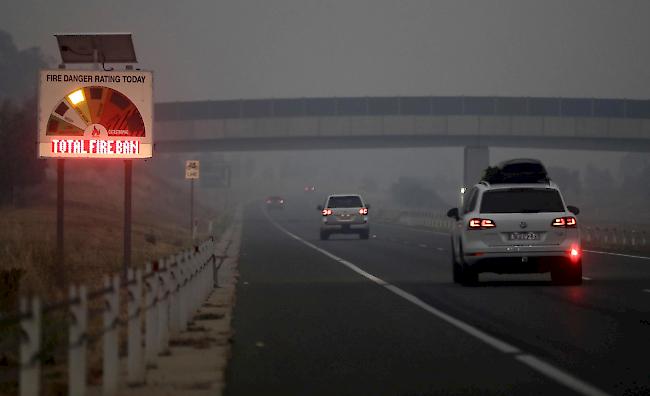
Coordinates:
column 560, row 376
column 533, row 362
column 467, row 328
column 422, row 245
column 618, row 254
column 440, row 249
column 646, row 290
column 586, row 278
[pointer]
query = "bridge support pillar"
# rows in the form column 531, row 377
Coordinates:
column 475, row 160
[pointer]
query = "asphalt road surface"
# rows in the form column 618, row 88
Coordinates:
column 382, row 317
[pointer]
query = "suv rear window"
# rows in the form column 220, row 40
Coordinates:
column 521, row 200
column 350, row 201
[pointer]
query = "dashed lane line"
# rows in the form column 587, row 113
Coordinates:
column 618, row 254
column 542, row 367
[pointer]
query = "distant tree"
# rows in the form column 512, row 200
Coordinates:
column 368, row 184
column 413, row 193
column 19, row 165
column 18, row 70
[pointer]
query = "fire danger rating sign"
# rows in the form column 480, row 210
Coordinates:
column 95, row 114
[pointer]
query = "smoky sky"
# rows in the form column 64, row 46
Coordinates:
column 306, row 48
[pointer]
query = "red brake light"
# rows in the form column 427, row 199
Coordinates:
column 567, row 221
column 574, row 254
column 363, row 211
column 487, row 223
column 481, row 224
column 326, row 212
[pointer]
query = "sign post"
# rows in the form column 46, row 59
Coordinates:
column 192, row 172
column 60, row 195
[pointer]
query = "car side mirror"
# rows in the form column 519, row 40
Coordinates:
column 368, row 206
column 573, row 209
column 319, row 207
column 453, row 213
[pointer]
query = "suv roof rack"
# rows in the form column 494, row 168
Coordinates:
column 521, row 170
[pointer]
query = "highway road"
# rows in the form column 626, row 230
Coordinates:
column 382, row 317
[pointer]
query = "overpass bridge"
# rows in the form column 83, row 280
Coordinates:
column 475, row 123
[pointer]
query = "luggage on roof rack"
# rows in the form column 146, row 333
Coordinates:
column 521, row 170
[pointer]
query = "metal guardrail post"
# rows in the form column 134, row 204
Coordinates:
column 110, row 341
column 151, row 317
column 182, row 292
column 163, row 309
column 30, row 347
column 173, row 295
column 78, row 340
column 135, row 363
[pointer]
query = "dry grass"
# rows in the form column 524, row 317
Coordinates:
column 93, row 247
column 93, row 228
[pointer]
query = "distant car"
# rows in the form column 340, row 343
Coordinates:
column 344, row 214
column 309, row 189
column 516, row 221
column 275, row 202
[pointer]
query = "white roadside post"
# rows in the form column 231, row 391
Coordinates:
column 135, row 361
column 151, row 317
column 110, row 339
column 77, row 339
column 163, row 309
column 182, row 303
column 30, row 346
column 173, row 295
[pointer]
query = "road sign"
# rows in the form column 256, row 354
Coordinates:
column 192, row 169
column 95, row 114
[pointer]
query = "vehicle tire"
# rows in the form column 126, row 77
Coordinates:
column 324, row 235
column 469, row 276
column 567, row 273
column 364, row 234
column 457, row 272
column 456, row 269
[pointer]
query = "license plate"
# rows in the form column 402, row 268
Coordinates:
column 524, row 236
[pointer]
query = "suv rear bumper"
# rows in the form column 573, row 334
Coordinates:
column 349, row 228
column 520, row 262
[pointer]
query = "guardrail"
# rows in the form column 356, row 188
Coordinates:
column 166, row 295
column 617, row 237
column 612, row 236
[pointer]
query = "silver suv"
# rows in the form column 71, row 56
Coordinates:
column 344, row 214
column 515, row 228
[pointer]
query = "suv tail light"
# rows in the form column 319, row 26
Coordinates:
column 575, row 253
column 326, row 212
column 481, row 224
column 363, row 211
column 565, row 222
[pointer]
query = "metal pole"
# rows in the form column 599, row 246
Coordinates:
column 191, row 208
column 60, row 178
column 128, row 172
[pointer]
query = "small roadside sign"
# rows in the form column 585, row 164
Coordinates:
column 192, row 169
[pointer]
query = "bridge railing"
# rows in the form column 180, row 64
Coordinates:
column 163, row 298
column 404, row 105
